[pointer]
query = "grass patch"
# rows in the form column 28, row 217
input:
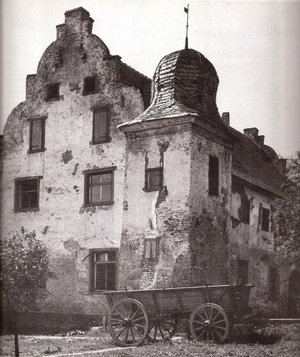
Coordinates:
column 288, row 345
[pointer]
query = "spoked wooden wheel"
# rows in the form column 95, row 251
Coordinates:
column 128, row 322
column 209, row 322
column 162, row 328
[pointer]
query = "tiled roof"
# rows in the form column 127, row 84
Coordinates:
column 132, row 77
column 252, row 163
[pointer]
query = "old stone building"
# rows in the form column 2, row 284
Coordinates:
column 125, row 194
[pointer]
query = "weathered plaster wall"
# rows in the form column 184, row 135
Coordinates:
column 160, row 214
column 67, row 227
column 249, row 242
column 210, row 215
column 192, row 227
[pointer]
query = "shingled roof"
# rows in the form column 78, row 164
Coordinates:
column 185, row 82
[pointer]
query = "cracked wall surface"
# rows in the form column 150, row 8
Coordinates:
column 191, row 227
column 162, row 215
column 68, row 228
column 210, row 231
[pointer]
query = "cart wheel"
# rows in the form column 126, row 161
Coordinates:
column 162, row 328
column 209, row 322
column 128, row 322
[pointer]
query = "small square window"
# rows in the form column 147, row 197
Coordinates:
column 151, row 249
column 242, row 272
column 90, row 85
column 27, row 194
column 37, row 135
column 103, row 270
column 52, row 91
column 99, row 187
column 100, row 126
column 245, row 210
column 265, row 219
column 213, row 176
column 154, row 179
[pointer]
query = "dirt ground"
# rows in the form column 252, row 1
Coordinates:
column 98, row 343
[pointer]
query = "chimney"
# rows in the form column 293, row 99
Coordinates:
column 282, row 166
column 251, row 133
column 78, row 21
column 226, row 118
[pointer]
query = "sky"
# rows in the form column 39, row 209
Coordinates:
column 254, row 46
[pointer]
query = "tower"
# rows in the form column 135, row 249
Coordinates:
column 177, row 181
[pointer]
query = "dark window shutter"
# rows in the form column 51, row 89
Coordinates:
column 101, row 126
column 213, row 176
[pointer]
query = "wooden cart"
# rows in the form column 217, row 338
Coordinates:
column 153, row 314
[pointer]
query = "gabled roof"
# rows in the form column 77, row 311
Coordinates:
column 254, row 164
column 129, row 75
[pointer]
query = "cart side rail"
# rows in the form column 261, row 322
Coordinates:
column 184, row 299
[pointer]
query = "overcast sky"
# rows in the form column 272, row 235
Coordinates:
column 254, row 46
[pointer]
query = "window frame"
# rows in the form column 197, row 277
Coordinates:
column 87, row 175
column 265, row 222
column 48, row 86
column 150, row 241
column 213, row 169
column 17, row 208
column 31, row 121
column 148, row 172
column 85, row 80
column 93, row 265
column 107, row 137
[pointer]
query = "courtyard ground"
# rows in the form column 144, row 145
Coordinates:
column 98, row 343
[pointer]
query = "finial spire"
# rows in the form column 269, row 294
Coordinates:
column 186, row 9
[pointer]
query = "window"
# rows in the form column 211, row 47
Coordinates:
column 265, row 219
column 90, row 85
column 98, row 187
column 242, row 272
column 52, row 91
column 245, row 210
column 27, row 194
column 103, row 270
column 273, row 283
column 37, row 135
column 151, row 249
column 154, row 179
column 213, row 176
column 100, row 126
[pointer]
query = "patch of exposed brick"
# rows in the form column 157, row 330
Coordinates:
column 162, row 194
column 66, row 156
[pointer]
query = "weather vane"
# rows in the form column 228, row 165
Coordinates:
column 186, row 9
